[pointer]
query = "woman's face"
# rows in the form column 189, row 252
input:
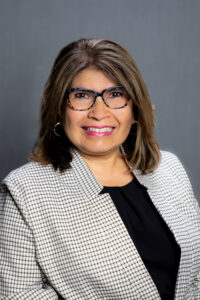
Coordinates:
column 80, row 126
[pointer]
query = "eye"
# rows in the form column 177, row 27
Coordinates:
column 115, row 94
column 81, row 95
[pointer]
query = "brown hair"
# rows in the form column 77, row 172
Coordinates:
column 141, row 148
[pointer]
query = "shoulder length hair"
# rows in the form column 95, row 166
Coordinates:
column 141, row 149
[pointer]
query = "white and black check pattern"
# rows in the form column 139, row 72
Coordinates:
column 60, row 239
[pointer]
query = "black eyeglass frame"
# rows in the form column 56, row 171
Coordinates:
column 96, row 94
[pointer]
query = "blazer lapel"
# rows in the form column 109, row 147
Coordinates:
column 162, row 198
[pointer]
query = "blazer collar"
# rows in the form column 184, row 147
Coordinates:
column 85, row 178
column 88, row 182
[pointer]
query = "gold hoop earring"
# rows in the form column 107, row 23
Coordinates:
column 56, row 128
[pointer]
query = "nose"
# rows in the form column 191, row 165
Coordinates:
column 99, row 110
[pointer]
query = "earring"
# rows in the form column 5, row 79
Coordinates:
column 122, row 150
column 124, row 156
column 56, row 128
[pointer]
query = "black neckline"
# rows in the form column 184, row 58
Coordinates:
column 123, row 186
column 133, row 185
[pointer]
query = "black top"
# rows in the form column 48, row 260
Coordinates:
column 150, row 234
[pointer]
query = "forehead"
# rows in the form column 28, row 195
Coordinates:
column 91, row 78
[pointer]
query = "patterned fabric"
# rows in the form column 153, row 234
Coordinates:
column 60, row 239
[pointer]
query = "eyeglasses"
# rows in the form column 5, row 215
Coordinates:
column 83, row 99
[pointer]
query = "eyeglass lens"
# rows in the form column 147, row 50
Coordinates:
column 83, row 99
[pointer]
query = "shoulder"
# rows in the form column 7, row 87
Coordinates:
column 172, row 174
column 171, row 177
column 169, row 170
column 35, row 178
column 29, row 177
column 169, row 159
column 31, row 171
column 171, row 166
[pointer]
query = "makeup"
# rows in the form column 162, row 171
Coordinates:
column 98, row 130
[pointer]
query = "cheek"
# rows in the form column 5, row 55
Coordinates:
column 70, row 119
column 127, row 118
column 72, row 122
column 129, row 114
column 69, row 122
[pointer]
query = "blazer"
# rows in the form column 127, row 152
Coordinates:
column 61, row 239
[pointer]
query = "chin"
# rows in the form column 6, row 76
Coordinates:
column 98, row 151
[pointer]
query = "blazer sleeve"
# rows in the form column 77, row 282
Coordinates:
column 20, row 275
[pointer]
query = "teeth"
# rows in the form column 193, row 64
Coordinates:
column 105, row 129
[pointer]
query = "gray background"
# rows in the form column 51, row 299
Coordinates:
column 163, row 36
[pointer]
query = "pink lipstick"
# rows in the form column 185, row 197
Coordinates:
column 99, row 131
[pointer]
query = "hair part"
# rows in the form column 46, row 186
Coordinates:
column 141, row 148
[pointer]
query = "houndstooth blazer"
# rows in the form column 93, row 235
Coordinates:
column 60, row 239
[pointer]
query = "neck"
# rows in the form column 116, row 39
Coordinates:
column 109, row 169
column 107, row 161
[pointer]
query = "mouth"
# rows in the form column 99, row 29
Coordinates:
column 98, row 131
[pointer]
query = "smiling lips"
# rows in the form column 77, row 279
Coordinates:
column 98, row 131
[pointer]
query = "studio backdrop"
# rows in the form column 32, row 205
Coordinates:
column 162, row 36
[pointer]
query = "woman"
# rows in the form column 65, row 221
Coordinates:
column 100, row 212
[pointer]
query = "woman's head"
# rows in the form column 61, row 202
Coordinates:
column 99, row 117
column 116, row 64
